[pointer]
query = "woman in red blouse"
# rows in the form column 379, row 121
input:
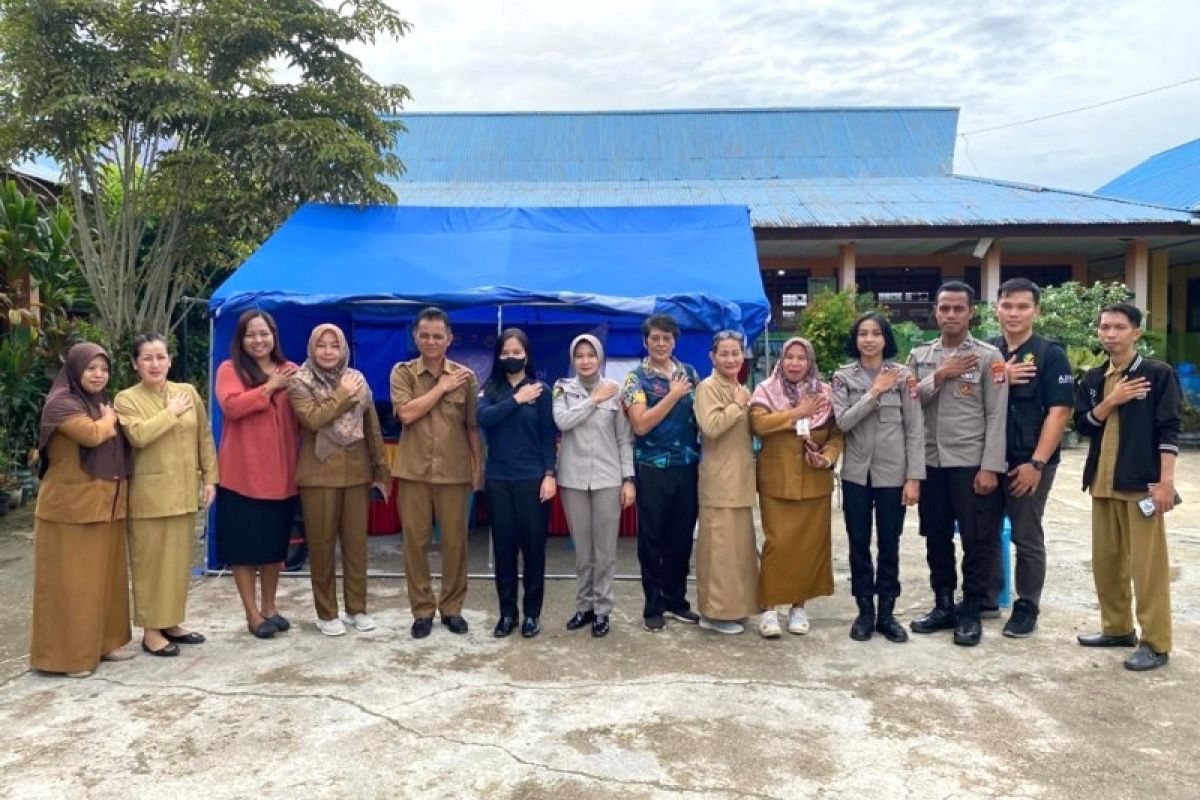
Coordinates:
column 256, row 496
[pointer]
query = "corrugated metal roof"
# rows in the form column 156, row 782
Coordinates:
column 692, row 144
column 814, row 202
column 1171, row 178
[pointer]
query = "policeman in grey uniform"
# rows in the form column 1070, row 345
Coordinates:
column 875, row 403
column 963, row 390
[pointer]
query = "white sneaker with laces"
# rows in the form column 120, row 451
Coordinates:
column 721, row 625
column 798, row 621
column 361, row 622
column 331, row 627
column 768, row 625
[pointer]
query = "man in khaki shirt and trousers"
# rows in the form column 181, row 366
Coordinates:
column 961, row 383
column 439, row 462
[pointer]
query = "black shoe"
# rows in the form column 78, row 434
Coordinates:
column 1145, row 658
column 864, row 623
column 172, row 649
column 530, row 627
column 264, row 630
column 1023, row 621
column 191, row 637
column 1108, row 639
column 886, row 623
column 654, row 624
column 940, row 618
column 600, row 626
column 580, row 619
column 279, row 621
column 422, row 627
column 685, row 615
column 504, row 627
column 969, row 630
column 455, row 623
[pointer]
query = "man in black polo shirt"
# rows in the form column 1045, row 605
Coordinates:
column 1040, row 397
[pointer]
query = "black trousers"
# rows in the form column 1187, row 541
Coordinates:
column 948, row 497
column 857, row 501
column 667, row 506
column 519, row 523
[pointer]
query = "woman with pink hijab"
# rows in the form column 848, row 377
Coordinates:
column 792, row 414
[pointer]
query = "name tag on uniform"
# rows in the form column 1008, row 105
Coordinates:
column 803, row 427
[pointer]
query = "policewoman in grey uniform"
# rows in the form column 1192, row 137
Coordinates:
column 595, row 477
column 875, row 403
column 962, row 388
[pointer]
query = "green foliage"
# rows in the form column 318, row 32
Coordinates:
column 34, row 255
column 1068, row 315
column 1189, row 418
column 189, row 131
column 826, row 323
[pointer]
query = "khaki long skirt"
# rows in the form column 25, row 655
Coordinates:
column 726, row 564
column 160, row 554
column 797, row 560
column 80, row 595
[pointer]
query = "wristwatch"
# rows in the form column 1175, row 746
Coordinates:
column 1037, row 464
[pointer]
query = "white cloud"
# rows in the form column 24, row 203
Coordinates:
column 999, row 62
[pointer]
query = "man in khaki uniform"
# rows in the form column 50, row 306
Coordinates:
column 439, row 462
column 1129, row 408
column 961, row 383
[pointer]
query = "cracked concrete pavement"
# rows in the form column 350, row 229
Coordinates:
column 682, row 714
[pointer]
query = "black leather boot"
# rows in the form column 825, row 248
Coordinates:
column 860, row 631
column 940, row 618
column 886, row 622
column 969, row 629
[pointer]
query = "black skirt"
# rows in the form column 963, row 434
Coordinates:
column 252, row 532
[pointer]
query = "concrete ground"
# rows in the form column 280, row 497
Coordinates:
column 685, row 713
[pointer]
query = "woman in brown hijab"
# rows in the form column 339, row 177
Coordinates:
column 80, row 583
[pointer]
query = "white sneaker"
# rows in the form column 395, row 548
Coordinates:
column 768, row 625
column 798, row 621
column 361, row 622
column 331, row 627
column 721, row 625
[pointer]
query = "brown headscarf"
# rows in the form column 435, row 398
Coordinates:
column 347, row 428
column 67, row 398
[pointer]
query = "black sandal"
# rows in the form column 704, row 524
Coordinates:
column 171, row 649
column 191, row 637
column 265, row 629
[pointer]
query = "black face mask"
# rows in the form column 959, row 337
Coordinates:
column 512, row 365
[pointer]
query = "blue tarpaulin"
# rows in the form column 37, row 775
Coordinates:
column 556, row 272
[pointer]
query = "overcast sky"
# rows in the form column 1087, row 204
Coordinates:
column 998, row 62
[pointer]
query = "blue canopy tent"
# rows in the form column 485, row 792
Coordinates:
column 556, row 272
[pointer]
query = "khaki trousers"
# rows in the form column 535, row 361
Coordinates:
column 1125, row 546
column 420, row 503
column 333, row 516
column 160, row 555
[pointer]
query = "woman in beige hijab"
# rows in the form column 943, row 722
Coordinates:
column 341, row 460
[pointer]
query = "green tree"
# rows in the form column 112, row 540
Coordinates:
column 1068, row 315
column 187, row 131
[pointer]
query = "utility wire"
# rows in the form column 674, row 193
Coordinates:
column 1082, row 108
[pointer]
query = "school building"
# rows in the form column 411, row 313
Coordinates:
column 837, row 196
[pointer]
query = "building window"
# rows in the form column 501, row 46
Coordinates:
column 908, row 292
column 787, row 290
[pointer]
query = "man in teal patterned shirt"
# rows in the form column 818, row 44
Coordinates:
column 658, row 398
